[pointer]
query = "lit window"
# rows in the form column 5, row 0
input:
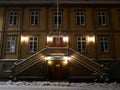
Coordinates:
column 33, row 44
column 81, row 44
column 11, row 44
column 104, row 44
column 101, row 18
column 13, row 16
column 80, row 18
column 34, row 18
column 57, row 18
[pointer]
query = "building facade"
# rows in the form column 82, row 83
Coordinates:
column 41, row 30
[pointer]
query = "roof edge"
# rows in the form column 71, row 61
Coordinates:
column 54, row 2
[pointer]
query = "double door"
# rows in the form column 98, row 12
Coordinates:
column 57, row 41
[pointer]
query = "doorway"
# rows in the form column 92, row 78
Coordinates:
column 58, row 71
column 57, row 41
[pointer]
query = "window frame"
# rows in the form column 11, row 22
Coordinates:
column 82, row 42
column 102, row 17
column 11, row 42
column 104, row 41
column 32, row 44
column 13, row 19
column 80, row 16
column 55, row 18
column 35, row 17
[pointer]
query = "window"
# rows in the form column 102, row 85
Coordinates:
column 34, row 18
column 33, row 44
column 101, row 18
column 11, row 44
column 80, row 18
column 13, row 16
column 104, row 44
column 57, row 18
column 81, row 44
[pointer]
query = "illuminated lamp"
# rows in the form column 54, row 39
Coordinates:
column 66, row 58
column 48, row 58
column 65, row 39
column 49, row 62
column 91, row 39
column 65, row 62
column 24, row 38
column 49, row 39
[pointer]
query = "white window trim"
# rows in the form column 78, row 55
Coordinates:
column 61, row 17
column 100, row 16
column 33, row 24
column 104, row 41
column 13, row 17
column 80, row 16
column 12, row 43
column 82, row 51
column 32, row 51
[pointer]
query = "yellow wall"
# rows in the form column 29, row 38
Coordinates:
column 10, row 55
column 115, row 19
column 42, row 23
column 69, row 24
column 1, row 18
column 25, row 45
column 88, row 19
column 18, row 26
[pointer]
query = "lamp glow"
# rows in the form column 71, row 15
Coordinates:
column 49, row 39
column 49, row 62
column 65, row 62
column 48, row 58
column 65, row 39
column 66, row 58
column 91, row 38
column 24, row 38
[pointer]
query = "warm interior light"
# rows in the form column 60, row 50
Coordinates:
column 48, row 58
column 65, row 39
column 49, row 39
column 65, row 62
column 66, row 58
column 91, row 38
column 24, row 38
column 49, row 62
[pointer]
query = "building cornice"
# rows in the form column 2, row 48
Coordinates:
column 36, row 2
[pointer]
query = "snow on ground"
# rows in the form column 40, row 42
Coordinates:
column 22, row 85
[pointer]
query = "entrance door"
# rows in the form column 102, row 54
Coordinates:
column 58, row 71
column 57, row 41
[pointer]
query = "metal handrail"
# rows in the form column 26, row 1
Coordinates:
column 57, row 47
column 31, row 56
column 85, row 57
column 21, row 65
column 85, row 65
column 94, row 64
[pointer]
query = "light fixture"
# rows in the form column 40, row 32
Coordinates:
column 48, row 58
column 65, row 39
column 24, row 38
column 49, row 62
column 65, row 62
column 49, row 39
column 66, row 58
column 91, row 39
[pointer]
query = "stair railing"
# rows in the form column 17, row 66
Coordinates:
column 87, row 61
